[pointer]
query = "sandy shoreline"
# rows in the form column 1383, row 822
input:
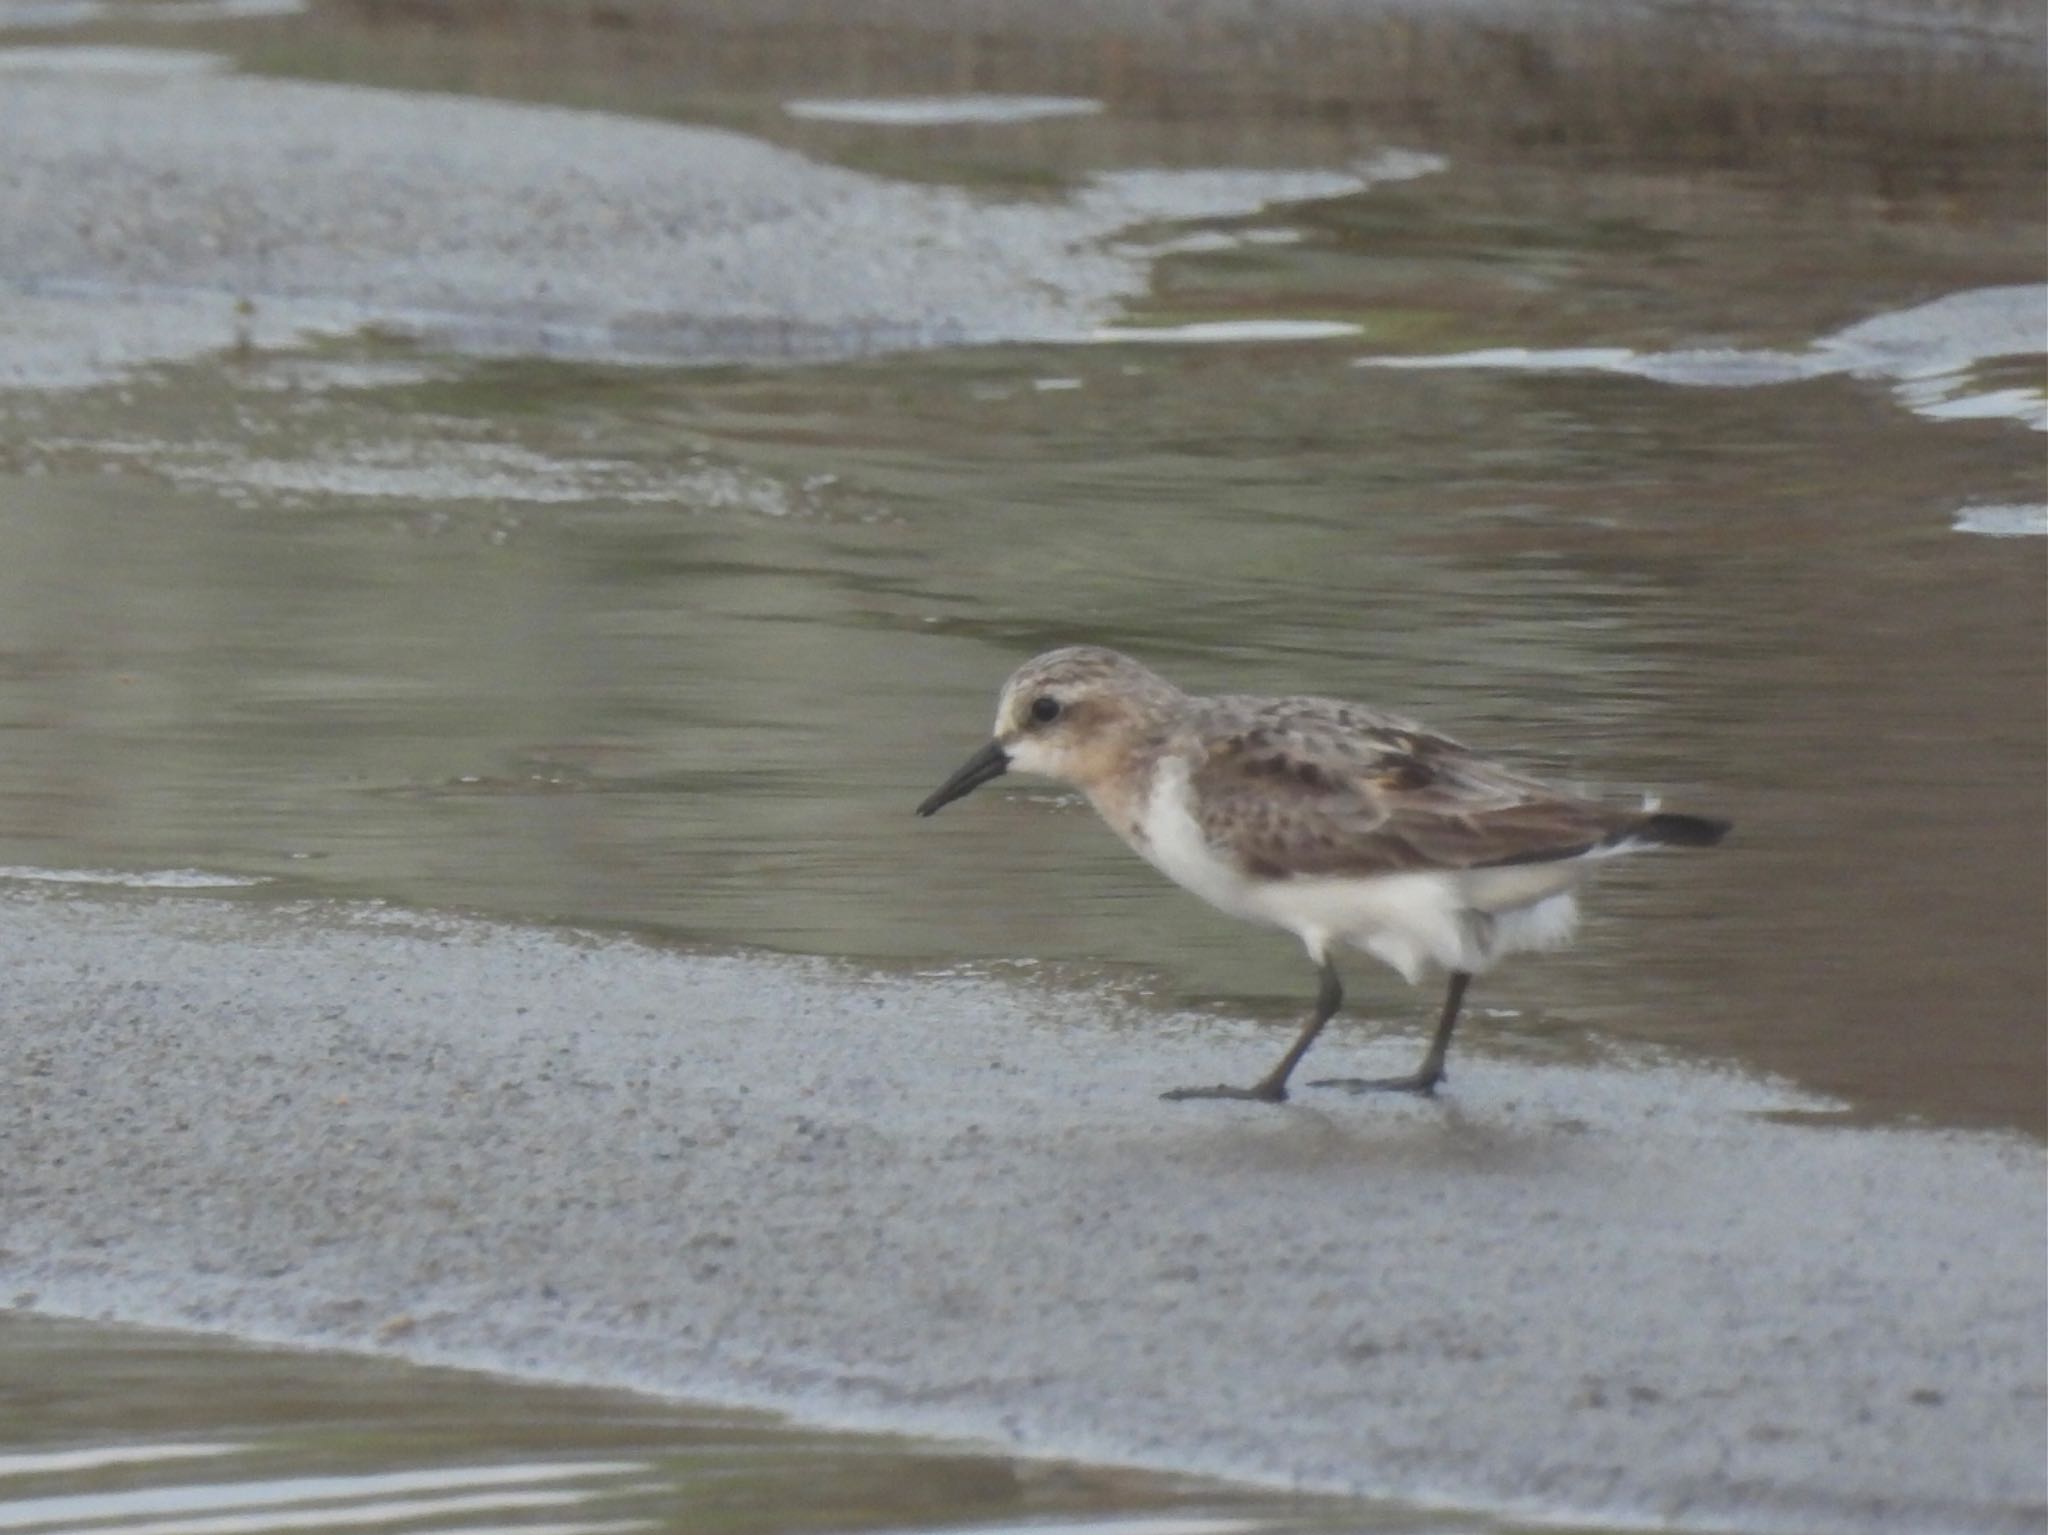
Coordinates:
column 948, row 1205
column 154, row 215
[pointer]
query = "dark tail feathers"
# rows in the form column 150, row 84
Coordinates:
column 1667, row 829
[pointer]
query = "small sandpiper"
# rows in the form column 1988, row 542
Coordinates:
column 1341, row 824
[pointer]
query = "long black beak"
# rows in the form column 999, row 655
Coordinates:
column 990, row 762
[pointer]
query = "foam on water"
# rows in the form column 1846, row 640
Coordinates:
column 27, row 14
column 2005, row 521
column 496, row 472
column 153, row 879
column 270, row 1504
column 936, row 111
column 1212, row 331
column 1926, row 353
column 444, row 468
column 213, row 10
column 67, row 1462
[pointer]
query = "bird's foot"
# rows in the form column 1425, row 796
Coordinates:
column 1262, row 1092
column 1421, row 1082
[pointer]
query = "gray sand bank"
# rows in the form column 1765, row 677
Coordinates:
column 949, row 1204
column 159, row 216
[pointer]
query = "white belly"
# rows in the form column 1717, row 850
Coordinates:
column 1446, row 920
column 1169, row 840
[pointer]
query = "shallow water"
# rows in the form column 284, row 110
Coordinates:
column 675, row 650
column 679, row 651
column 98, row 1424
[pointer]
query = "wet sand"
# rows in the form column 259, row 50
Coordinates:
column 951, row 1205
column 156, row 211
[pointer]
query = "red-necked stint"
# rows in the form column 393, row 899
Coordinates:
column 1342, row 824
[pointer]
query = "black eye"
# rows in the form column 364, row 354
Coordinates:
column 1045, row 708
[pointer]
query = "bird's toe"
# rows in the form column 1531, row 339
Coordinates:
column 1262, row 1093
column 1420, row 1083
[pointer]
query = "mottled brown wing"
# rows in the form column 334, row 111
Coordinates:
column 1310, row 786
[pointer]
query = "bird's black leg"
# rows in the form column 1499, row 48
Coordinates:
column 1272, row 1087
column 1432, row 1070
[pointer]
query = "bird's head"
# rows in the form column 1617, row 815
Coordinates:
column 1074, row 715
